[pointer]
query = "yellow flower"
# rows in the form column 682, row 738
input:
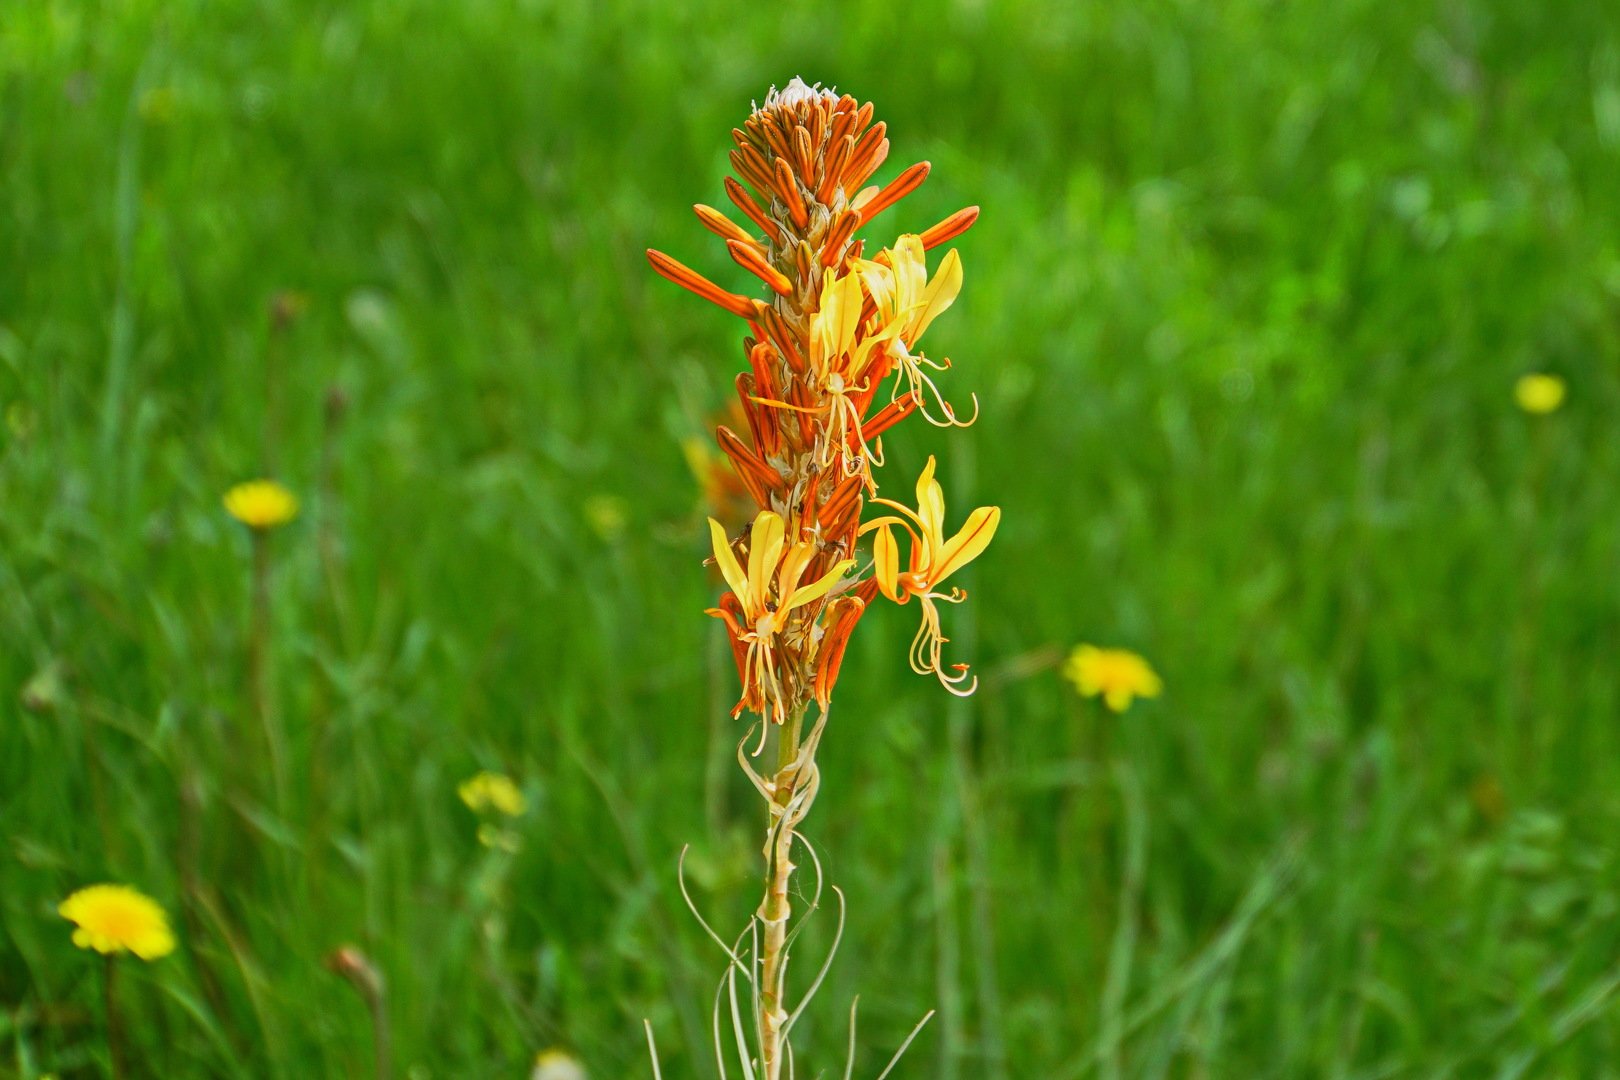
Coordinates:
column 1119, row 675
column 1539, row 394
column 837, row 347
column 902, row 292
column 492, row 791
column 933, row 559
column 766, row 594
column 557, row 1064
column 907, row 302
column 116, row 918
column 261, row 504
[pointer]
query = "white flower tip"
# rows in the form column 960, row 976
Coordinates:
column 796, row 93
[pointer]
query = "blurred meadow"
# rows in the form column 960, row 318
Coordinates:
column 1245, row 312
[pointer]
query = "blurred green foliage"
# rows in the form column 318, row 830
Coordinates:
column 1244, row 312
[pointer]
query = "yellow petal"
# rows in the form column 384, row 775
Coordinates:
column 969, row 543
column 886, row 562
column 880, row 284
column 910, row 270
column 931, row 508
column 726, row 559
column 817, row 589
column 941, row 293
column 793, row 563
column 764, row 549
column 846, row 314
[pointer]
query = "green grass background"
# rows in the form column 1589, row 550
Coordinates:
column 1244, row 311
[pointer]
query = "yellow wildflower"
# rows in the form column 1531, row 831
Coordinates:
column 1539, row 394
column 492, row 791
column 261, row 504
column 116, row 918
column 933, row 559
column 1119, row 675
column 557, row 1064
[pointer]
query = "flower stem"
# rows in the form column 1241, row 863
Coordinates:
column 115, row 1028
column 259, row 667
column 776, row 909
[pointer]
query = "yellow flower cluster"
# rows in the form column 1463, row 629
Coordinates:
column 488, row 791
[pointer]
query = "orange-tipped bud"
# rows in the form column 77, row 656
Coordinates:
column 788, row 188
column 869, row 153
column 804, row 156
column 722, row 226
column 837, row 155
column 751, row 469
column 748, row 164
column 832, row 248
column 949, row 229
column 890, row 415
column 841, row 623
column 730, row 612
column 745, row 202
column 898, row 188
column 761, row 427
column 838, row 513
column 691, row 280
column 782, row 336
column 748, row 256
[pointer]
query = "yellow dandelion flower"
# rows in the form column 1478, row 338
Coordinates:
column 492, row 791
column 261, row 504
column 1539, row 394
column 557, row 1064
column 1119, row 675
column 116, row 918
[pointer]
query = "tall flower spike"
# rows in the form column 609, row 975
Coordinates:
column 828, row 329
